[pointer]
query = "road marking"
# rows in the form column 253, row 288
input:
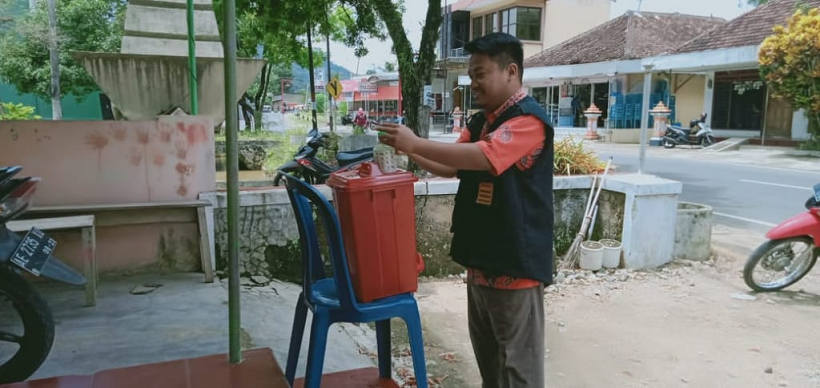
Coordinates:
column 778, row 185
column 745, row 219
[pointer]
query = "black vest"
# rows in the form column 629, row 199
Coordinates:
column 513, row 235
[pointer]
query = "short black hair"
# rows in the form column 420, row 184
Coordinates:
column 501, row 47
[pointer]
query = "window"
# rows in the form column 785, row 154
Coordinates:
column 477, row 27
column 490, row 24
column 528, row 25
column 522, row 22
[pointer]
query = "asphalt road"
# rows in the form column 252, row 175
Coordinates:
column 748, row 197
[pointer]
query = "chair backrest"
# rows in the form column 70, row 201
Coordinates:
column 302, row 196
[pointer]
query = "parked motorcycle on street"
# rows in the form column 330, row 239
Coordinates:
column 790, row 253
column 699, row 133
column 26, row 323
column 309, row 168
column 347, row 119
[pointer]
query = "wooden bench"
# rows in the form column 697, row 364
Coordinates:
column 89, row 244
column 107, row 215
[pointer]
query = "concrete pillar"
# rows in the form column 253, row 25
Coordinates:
column 660, row 114
column 592, row 115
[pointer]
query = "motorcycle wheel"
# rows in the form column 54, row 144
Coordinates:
column 668, row 144
column 707, row 141
column 34, row 344
column 779, row 256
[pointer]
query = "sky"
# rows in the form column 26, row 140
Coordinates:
column 416, row 10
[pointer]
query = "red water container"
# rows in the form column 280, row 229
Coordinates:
column 377, row 213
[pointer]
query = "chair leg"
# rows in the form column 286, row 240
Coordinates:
column 384, row 348
column 296, row 339
column 417, row 347
column 316, row 353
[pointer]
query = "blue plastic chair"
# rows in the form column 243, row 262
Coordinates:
column 332, row 300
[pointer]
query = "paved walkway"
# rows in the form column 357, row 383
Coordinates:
column 184, row 318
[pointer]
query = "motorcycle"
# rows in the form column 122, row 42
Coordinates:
column 699, row 133
column 309, row 168
column 347, row 119
column 790, row 252
column 31, row 329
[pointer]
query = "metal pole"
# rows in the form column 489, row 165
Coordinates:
column 192, row 81
column 312, row 79
column 231, row 123
column 329, row 104
column 647, row 84
column 54, row 56
column 765, row 119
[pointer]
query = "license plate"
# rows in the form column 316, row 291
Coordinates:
column 34, row 251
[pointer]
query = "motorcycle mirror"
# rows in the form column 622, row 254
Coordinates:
column 817, row 193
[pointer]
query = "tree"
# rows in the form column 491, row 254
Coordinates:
column 83, row 25
column 389, row 67
column 280, row 27
column 757, row 3
column 414, row 70
column 790, row 64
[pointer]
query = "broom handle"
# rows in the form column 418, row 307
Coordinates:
column 601, row 185
column 591, row 194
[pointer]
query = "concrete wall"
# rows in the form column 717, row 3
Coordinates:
column 689, row 98
column 158, row 28
column 565, row 19
column 142, row 86
column 269, row 237
column 108, row 162
column 560, row 19
column 170, row 159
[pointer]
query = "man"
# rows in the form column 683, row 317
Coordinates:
column 503, row 217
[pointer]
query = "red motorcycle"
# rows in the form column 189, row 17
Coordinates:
column 790, row 253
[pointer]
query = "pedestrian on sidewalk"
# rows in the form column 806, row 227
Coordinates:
column 503, row 216
column 457, row 120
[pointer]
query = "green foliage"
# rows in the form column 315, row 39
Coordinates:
column 342, row 107
column 12, row 111
column 289, row 143
column 83, row 25
column 572, row 158
column 790, row 64
column 321, row 102
column 389, row 67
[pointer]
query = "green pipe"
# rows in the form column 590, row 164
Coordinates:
column 231, row 123
column 192, row 81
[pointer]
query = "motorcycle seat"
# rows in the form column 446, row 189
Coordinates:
column 348, row 157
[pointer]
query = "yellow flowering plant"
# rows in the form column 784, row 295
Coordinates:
column 790, row 65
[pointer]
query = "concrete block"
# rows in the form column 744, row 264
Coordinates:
column 693, row 231
column 442, row 187
column 420, row 188
column 172, row 21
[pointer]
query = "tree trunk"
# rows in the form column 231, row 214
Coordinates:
column 56, row 106
column 414, row 73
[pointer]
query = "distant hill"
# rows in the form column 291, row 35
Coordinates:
column 301, row 76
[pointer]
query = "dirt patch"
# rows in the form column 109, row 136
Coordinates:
column 685, row 325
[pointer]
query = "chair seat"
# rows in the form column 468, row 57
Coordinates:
column 323, row 294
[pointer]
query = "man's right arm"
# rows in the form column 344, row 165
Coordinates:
column 436, row 168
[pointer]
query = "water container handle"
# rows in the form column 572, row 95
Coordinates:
column 419, row 262
column 369, row 169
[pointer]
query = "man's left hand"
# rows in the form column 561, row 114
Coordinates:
column 398, row 136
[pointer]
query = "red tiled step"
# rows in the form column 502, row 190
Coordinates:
column 258, row 369
column 358, row 378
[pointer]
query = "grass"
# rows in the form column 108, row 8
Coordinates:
column 571, row 158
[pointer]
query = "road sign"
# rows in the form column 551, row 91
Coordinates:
column 334, row 87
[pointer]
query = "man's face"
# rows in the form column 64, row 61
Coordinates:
column 491, row 83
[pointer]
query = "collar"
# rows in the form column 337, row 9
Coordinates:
column 514, row 99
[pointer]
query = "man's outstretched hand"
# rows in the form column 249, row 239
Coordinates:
column 398, row 136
